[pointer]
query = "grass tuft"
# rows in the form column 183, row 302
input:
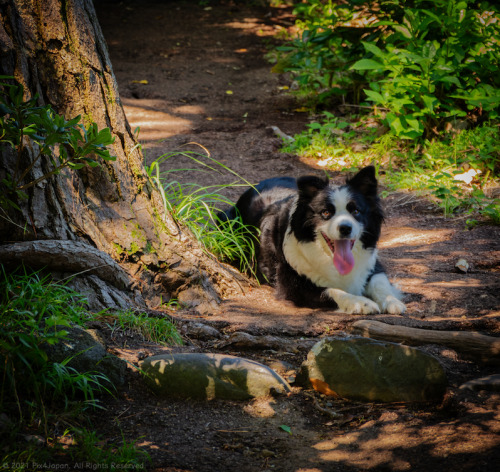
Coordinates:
column 158, row 330
column 197, row 207
column 38, row 396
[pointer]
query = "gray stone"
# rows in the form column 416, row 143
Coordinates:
column 199, row 331
column 86, row 349
column 364, row 369
column 209, row 376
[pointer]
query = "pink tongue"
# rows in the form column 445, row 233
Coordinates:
column 342, row 257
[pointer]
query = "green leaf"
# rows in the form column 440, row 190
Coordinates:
column 367, row 64
column 375, row 50
column 76, row 166
column 429, row 50
column 286, row 428
column 394, row 123
column 429, row 101
column 403, row 30
column 450, row 79
column 374, row 96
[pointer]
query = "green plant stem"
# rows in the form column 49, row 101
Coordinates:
column 43, row 177
column 20, row 149
column 23, row 175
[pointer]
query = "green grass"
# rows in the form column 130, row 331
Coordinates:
column 455, row 171
column 196, row 207
column 158, row 330
column 39, row 397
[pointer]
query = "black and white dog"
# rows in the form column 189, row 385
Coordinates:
column 318, row 242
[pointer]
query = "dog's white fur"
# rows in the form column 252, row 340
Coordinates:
column 314, row 260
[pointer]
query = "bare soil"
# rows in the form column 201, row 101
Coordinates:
column 208, row 82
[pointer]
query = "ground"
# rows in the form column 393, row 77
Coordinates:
column 195, row 72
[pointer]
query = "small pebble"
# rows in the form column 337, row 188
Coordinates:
column 462, row 265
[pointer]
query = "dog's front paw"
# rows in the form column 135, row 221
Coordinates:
column 354, row 305
column 393, row 306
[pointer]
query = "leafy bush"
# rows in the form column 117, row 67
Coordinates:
column 423, row 64
column 430, row 71
column 321, row 56
column 437, row 65
column 61, row 143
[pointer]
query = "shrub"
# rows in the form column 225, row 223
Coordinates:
column 421, row 63
column 60, row 143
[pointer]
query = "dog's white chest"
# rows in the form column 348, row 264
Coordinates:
column 311, row 260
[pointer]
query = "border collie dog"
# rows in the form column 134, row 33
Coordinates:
column 318, row 242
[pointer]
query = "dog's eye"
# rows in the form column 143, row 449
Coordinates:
column 326, row 214
column 352, row 209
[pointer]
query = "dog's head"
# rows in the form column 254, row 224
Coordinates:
column 338, row 217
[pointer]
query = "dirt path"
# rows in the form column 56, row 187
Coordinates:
column 208, row 82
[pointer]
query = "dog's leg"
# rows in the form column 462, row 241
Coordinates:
column 385, row 294
column 351, row 304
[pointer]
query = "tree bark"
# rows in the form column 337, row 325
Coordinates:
column 56, row 49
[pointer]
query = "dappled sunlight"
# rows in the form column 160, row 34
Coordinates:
column 466, row 283
column 225, row 60
column 155, row 124
column 392, row 444
column 189, row 110
column 350, row 449
column 249, row 25
column 149, row 444
column 264, row 407
column 407, row 236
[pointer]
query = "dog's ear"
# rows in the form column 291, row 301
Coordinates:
column 365, row 182
column 310, row 185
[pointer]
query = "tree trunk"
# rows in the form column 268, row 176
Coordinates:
column 56, row 49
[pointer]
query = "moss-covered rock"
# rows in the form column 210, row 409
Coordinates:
column 86, row 349
column 369, row 370
column 209, row 376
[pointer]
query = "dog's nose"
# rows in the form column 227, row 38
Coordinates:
column 345, row 229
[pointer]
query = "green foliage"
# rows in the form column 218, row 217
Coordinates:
column 32, row 311
column 437, row 65
column 422, row 64
column 430, row 70
column 60, row 143
column 38, row 396
column 157, row 330
column 196, row 207
column 453, row 171
column 330, row 140
column 328, row 44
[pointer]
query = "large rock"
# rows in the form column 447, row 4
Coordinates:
column 209, row 376
column 86, row 349
column 369, row 370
